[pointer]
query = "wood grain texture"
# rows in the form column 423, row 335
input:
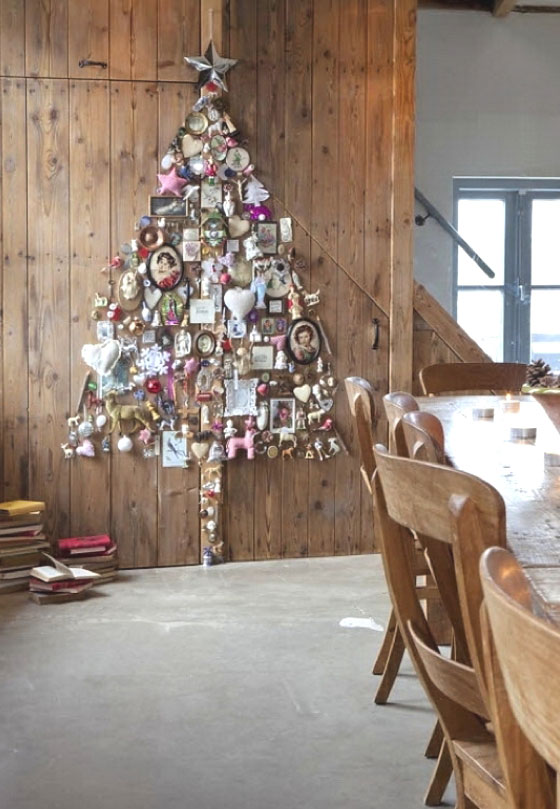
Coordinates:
column 242, row 79
column 13, row 293
column 46, row 38
column 134, row 140
column 12, row 38
column 271, row 94
column 133, row 50
column 48, row 303
column 178, row 36
column 88, row 38
column 89, row 229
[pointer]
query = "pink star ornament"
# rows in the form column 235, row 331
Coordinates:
column 171, row 183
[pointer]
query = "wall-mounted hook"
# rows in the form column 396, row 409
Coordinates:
column 375, row 343
column 89, row 63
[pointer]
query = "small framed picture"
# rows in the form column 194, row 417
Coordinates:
column 105, row 330
column 241, row 397
column 236, row 329
column 191, row 251
column 165, row 267
column 282, row 415
column 202, row 310
column 232, row 246
column 149, row 336
column 204, row 343
column 276, row 307
column 304, row 341
column 168, row 206
column 267, row 325
column 211, row 194
column 267, row 237
column 281, row 325
column 262, row 358
column 173, row 449
column 191, row 234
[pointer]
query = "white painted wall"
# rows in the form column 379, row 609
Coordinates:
column 488, row 104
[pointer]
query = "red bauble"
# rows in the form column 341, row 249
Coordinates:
column 153, row 385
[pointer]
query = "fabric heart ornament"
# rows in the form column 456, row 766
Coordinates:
column 239, row 302
column 191, row 146
column 102, row 357
column 238, row 227
column 152, row 296
column 302, row 393
column 200, row 449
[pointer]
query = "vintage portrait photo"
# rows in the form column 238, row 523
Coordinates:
column 282, row 415
column 267, row 237
column 168, row 206
column 165, row 267
column 304, row 341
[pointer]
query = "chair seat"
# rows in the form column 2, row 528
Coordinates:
column 482, row 773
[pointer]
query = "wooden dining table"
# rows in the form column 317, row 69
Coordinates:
column 526, row 473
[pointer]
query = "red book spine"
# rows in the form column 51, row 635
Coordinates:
column 100, row 541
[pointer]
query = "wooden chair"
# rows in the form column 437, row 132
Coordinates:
column 456, row 515
column 491, row 377
column 522, row 662
column 424, row 437
column 396, row 404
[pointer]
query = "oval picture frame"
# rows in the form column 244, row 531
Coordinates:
column 304, row 341
column 205, row 343
column 165, row 267
column 196, row 123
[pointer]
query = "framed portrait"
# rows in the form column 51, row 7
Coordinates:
column 204, row 343
column 262, row 358
column 267, row 325
column 211, row 194
column 165, row 267
column 241, row 397
column 282, row 415
column 281, row 325
column 267, row 237
column 304, row 341
column 276, row 306
column 173, row 449
column 169, row 206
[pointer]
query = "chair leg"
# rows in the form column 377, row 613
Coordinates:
column 383, row 654
column 391, row 669
column 440, row 778
column 434, row 744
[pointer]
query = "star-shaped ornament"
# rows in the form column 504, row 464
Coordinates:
column 212, row 67
column 171, row 183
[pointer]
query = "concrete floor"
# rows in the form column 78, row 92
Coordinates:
column 197, row 688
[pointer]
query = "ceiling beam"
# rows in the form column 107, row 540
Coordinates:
column 503, row 7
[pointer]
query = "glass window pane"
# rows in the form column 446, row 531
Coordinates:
column 481, row 314
column 545, row 326
column 481, row 223
column 545, row 242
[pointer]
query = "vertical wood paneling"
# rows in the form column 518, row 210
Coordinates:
column 298, row 109
column 178, row 36
column 46, row 38
column 134, row 138
column 12, row 38
column 89, row 251
column 133, row 52
column 268, row 508
column 88, row 37
column 378, row 165
column 242, row 79
column 402, row 277
column 271, row 95
column 178, row 489
column 48, row 303
column 13, row 293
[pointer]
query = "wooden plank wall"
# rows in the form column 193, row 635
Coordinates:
column 318, row 91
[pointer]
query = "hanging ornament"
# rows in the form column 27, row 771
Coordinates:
column 171, row 183
column 212, row 67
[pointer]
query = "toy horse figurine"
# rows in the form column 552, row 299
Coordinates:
column 119, row 413
column 246, row 442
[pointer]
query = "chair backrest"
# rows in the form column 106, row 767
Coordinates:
column 396, row 404
column 528, row 652
column 424, row 437
column 362, row 408
column 455, row 377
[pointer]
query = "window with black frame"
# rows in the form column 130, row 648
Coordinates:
column 514, row 226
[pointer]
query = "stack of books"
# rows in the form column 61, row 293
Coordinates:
column 54, row 583
column 21, row 542
column 97, row 553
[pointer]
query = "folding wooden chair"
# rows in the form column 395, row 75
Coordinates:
column 522, row 655
column 456, row 515
column 489, row 377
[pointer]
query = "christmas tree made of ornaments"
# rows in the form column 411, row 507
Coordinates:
column 208, row 346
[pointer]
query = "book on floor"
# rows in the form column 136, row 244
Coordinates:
column 56, row 598
column 58, row 571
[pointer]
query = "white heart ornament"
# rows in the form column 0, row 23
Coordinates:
column 238, row 227
column 200, row 449
column 152, row 296
column 102, row 357
column 302, row 393
column 191, row 146
column 239, row 302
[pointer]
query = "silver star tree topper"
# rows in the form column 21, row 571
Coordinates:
column 211, row 66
